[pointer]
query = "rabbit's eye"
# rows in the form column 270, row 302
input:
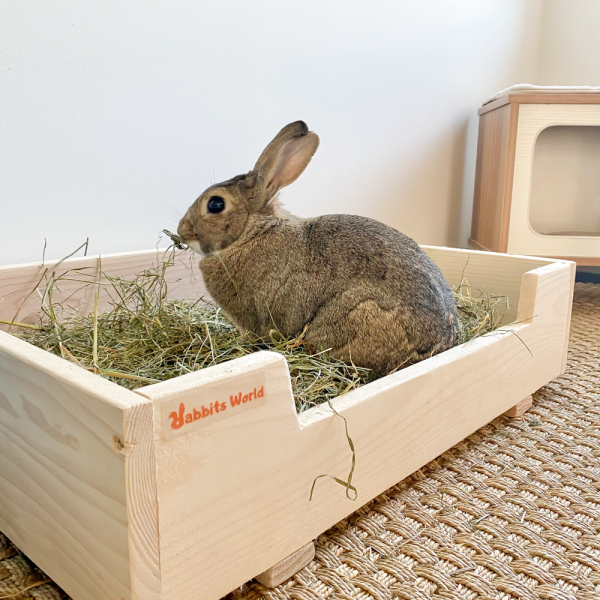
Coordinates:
column 216, row 204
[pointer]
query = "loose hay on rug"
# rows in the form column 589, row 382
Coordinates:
column 145, row 338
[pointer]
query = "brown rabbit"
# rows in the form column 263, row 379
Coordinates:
column 360, row 288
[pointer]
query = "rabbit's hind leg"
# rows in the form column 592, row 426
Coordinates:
column 363, row 334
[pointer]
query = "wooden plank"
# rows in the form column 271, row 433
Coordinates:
column 288, row 567
column 489, row 171
column 521, row 408
column 508, row 178
column 142, row 502
column 495, row 104
column 534, row 119
column 568, row 324
column 217, row 531
column 541, row 98
column 268, row 450
column 555, row 98
column 579, row 261
column 62, row 484
column 493, row 177
column 495, row 273
column 185, row 281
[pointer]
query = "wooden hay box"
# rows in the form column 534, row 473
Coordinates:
column 113, row 503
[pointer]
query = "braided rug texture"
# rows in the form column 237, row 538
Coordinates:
column 512, row 512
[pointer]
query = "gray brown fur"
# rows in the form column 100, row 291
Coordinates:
column 361, row 288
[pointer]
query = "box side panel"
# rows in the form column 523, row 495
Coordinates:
column 536, row 284
column 142, row 502
column 570, row 315
column 62, row 478
column 495, row 273
column 76, row 289
column 234, row 495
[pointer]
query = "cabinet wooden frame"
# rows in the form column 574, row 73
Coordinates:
column 509, row 129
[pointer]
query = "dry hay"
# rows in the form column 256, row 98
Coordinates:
column 145, row 338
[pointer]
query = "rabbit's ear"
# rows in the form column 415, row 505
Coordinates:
column 286, row 157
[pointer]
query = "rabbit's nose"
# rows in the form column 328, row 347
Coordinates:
column 184, row 229
column 188, row 236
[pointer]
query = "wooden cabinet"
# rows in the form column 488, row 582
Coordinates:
column 537, row 183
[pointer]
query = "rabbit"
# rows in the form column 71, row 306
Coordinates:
column 347, row 284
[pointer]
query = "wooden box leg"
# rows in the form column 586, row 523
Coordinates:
column 288, row 567
column 520, row 409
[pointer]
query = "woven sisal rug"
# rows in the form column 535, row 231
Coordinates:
column 512, row 512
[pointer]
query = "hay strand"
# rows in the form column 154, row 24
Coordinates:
column 22, row 325
column 144, row 337
column 479, row 312
column 347, row 484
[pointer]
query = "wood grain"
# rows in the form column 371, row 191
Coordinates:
column 62, row 485
column 490, row 106
column 541, row 98
column 234, row 496
column 536, row 186
column 93, row 492
column 555, row 98
column 533, row 120
column 17, row 281
column 288, row 567
column 142, row 501
column 493, row 177
column 579, row 261
column 495, row 273
column 521, row 408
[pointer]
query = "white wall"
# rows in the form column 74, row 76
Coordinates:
column 570, row 43
column 570, row 48
column 115, row 115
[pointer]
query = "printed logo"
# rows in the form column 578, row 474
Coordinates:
column 181, row 417
column 212, row 403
